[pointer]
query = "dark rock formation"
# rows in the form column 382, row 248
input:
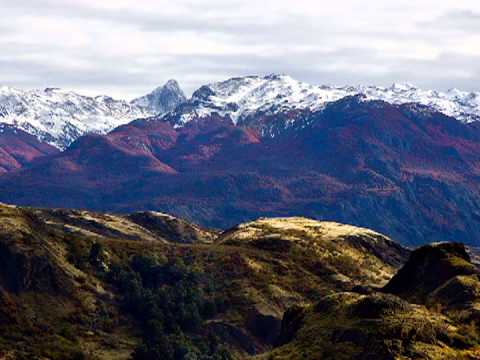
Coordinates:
column 428, row 268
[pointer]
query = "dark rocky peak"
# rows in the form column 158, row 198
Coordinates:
column 203, row 93
column 428, row 268
column 163, row 99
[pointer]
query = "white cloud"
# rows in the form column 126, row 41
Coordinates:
column 127, row 47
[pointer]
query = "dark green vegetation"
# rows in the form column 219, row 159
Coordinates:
column 168, row 301
column 83, row 285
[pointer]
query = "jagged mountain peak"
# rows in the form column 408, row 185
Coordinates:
column 172, row 83
column 163, row 99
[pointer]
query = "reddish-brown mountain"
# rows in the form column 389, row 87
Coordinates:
column 404, row 170
column 17, row 148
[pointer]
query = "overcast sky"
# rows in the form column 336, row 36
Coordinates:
column 125, row 48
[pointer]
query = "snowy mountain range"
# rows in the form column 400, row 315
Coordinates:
column 242, row 97
column 58, row 117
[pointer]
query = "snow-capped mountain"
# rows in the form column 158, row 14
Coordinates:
column 59, row 117
column 242, row 97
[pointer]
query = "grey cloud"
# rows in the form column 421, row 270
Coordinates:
column 457, row 20
column 310, row 66
column 143, row 19
column 316, row 49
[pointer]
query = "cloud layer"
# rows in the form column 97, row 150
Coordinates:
column 128, row 47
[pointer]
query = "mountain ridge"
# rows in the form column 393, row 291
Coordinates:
column 59, row 117
column 241, row 97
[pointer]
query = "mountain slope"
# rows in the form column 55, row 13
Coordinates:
column 402, row 170
column 59, row 117
column 17, row 148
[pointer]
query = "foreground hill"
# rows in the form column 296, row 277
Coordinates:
column 77, row 284
column 433, row 314
column 84, row 285
column 403, row 170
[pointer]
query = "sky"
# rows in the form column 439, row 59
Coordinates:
column 125, row 48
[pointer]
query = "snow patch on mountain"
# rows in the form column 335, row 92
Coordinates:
column 241, row 97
